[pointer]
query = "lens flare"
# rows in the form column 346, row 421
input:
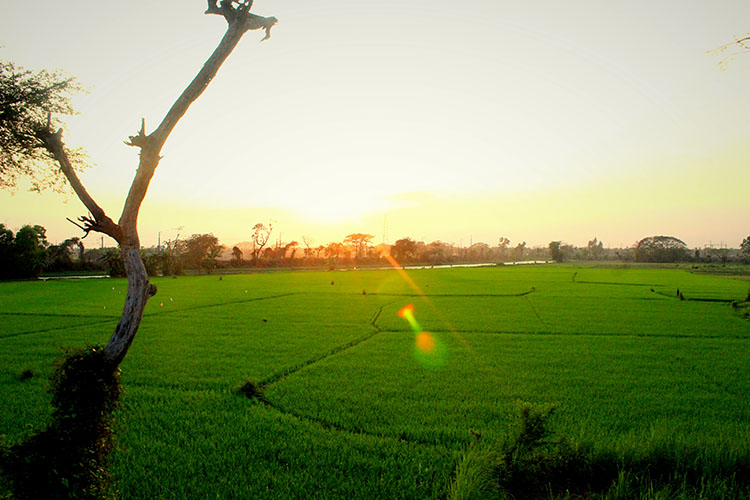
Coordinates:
column 408, row 311
column 425, row 342
column 428, row 350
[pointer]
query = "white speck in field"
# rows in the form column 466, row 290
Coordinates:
column 105, row 307
column 161, row 304
column 171, row 299
column 245, row 291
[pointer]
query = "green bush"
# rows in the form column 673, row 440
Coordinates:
column 69, row 459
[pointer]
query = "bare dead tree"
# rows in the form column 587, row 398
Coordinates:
column 125, row 232
column 260, row 236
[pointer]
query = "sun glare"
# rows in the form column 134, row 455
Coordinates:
column 336, row 206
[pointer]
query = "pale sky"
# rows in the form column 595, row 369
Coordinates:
column 535, row 120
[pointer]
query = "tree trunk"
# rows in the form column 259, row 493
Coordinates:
column 125, row 231
column 139, row 291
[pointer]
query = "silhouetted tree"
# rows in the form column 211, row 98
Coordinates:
column 479, row 251
column 6, row 251
column 318, row 250
column 25, row 254
column 197, row 248
column 171, row 257
column 502, row 245
column 555, row 251
column 359, row 241
column 334, row 250
column 595, row 249
column 436, row 252
column 661, row 249
column 211, row 259
column 113, row 262
column 404, row 250
column 308, row 241
column 518, row 252
column 745, row 249
column 261, row 234
column 236, row 256
column 61, row 256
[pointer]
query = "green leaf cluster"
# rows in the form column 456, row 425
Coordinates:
column 29, row 104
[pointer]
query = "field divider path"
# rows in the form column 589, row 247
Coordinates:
column 536, row 313
column 58, row 315
column 620, row 283
column 101, row 320
column 330, row 425
column 58, row 328
column 440, row 295
column 327, row 354
column 221, row 304
column 550, row 333
column 358, row 431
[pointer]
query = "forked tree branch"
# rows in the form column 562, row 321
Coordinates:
column 99, row 221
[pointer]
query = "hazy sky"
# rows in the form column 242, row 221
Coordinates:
column 533, row 120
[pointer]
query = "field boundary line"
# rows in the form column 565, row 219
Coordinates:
column 575, row 280
column 327, row 354
column 59, row 328
column 520, row 294
column 355, row 430
column 291, row 413
column 376, row 294
column 612, row 335
column 56, row 315
column 614, row 283
column 107, row 319
column 536, row 313
column 229, row 303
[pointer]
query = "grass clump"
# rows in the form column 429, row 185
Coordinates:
column 474, row 477
column 253, row 391
column 69, row 459
column 532, row 465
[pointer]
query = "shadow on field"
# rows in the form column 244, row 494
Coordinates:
column 68, row 459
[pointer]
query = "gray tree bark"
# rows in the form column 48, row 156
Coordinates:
column 125, row 232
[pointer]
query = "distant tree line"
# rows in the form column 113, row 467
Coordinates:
column 24, row 254
column 27, row 253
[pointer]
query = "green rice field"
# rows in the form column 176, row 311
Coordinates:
column 358, row 401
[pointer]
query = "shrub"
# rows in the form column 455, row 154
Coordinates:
column 69, row 459
column 252, row 390
column 531, row 465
